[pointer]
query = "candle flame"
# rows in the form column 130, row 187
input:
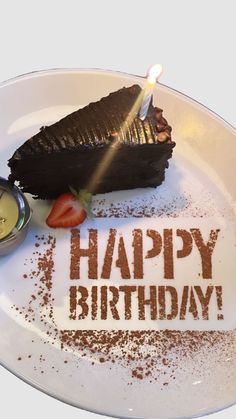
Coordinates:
column 154, row 73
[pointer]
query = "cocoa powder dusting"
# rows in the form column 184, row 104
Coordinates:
column 40, row 305
column 147, row 355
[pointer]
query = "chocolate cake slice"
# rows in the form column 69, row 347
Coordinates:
column 102, row 147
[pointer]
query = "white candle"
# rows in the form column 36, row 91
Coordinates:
column 152, row 77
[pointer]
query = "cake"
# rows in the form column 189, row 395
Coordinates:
column 102, row 147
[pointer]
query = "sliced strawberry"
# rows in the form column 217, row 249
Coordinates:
column 67, row 211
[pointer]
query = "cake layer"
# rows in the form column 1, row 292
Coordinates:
column 105, row 141
column 50, row 175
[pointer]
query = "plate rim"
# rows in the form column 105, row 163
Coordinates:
column 99, row 412
column 55, row 70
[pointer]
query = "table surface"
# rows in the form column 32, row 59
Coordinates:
column 194, row 41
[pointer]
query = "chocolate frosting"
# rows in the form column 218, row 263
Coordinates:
column 66, row 153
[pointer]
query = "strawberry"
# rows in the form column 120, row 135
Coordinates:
column 70, row 209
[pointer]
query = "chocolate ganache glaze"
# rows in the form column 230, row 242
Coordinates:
column 102, row 147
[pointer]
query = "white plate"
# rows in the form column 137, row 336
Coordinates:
column 181, row 367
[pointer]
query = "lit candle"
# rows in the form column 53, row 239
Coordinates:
column 9, row 213
column 152, row 77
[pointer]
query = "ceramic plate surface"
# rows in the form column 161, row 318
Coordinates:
column 142, row 324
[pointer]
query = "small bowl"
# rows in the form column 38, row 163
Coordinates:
column 9, row 243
